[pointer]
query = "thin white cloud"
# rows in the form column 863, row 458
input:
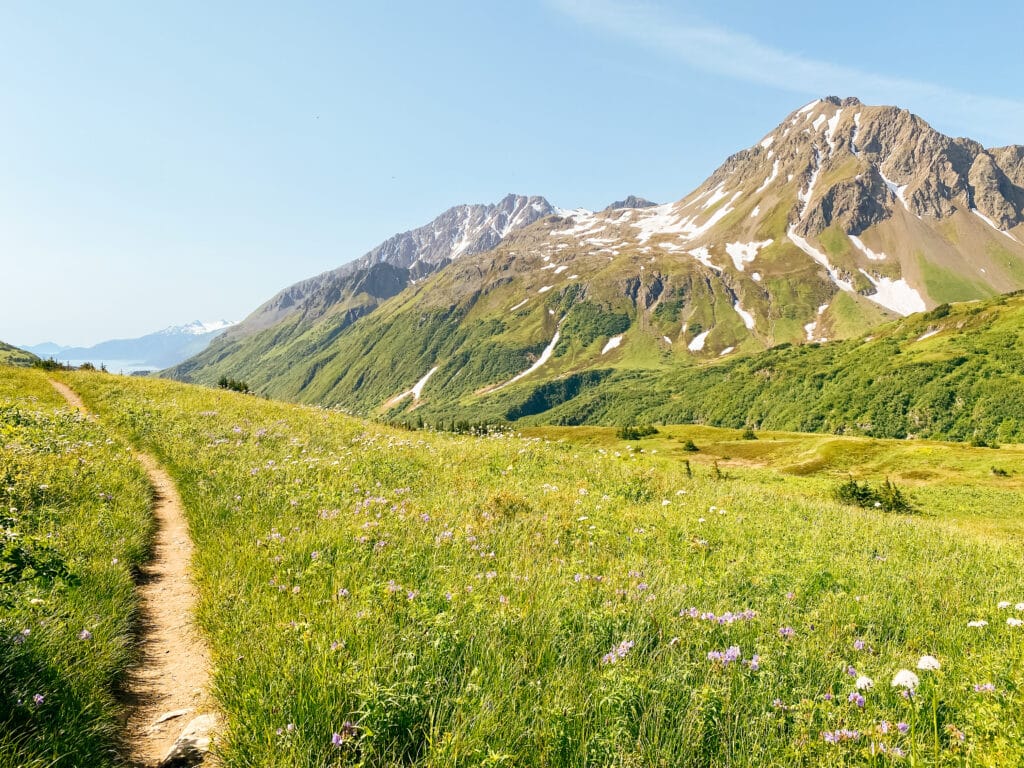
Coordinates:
column 743, row 57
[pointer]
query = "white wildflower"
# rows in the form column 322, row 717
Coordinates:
column 905, row 679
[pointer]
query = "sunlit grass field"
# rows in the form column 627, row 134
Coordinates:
column 74, row 524
column 382, row 597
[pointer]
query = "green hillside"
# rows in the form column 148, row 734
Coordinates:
column 956, row 376
column 13, row 356
column 952, row 373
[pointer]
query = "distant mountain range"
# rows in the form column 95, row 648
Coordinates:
column 154, row 351
column 843, row 218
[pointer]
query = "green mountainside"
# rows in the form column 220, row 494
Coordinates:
column 13, row 356
column 842, row 220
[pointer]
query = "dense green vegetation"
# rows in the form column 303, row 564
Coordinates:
column 955, row 373
column 383, row 597
column 74, row 525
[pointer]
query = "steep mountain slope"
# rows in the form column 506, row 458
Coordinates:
column 154, row 350
column 955, row 372
column 356, row 289
column 13, row 356
column 843, row 218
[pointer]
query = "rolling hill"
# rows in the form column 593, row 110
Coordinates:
column 13, row 356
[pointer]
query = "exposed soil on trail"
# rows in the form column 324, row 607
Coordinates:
column 173, row 670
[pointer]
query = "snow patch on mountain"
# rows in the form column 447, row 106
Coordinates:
column 748, row 319
column 613, row 342
column 544, row 357
column 771, row 177
column 896, row 295
column 865, row 250
column 745, row 253
column 821, row 258
column 698, row 342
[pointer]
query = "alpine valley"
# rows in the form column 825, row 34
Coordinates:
column 856, row 225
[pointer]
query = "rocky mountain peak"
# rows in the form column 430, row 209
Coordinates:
column 632, row 201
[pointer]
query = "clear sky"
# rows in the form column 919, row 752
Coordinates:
column 165, row 162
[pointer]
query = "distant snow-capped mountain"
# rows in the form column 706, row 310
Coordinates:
column 157, row 350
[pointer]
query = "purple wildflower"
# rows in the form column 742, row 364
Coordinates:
column 85, row 634
column 902, row 727
column 858, row 645
column 38, row 699
column 618, row 653
column 856, row 698
column 984, row 688
column 786, row 632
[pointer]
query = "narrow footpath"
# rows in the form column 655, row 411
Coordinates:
column 169, row 713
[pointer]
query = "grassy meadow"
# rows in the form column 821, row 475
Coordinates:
column 74, row 524
column 375, row 596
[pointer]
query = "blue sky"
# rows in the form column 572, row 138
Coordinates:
column 168, row 162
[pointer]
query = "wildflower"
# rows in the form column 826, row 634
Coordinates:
column 828, row 697
column 754, row 663
column 858, row 645
column 314, row 555
column 503, row 599
column 884, row 727
column 902, row 728
column 1019, row 607
column 38, row 699
column 790, row 595
column 851, row 671
column 343, row 593
column 928, row 663
column 411, row 595
column 905, row 679
column 786, row 632
column 85, row 634
column 864, row 683
column 977, row 623
column 617, row 653
column 21, row 637
column 856, row 698
column 984, row 688
column 839, row 736
column 1003, row 604
column 1013, row 621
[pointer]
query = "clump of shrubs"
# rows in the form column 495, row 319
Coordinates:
column 690, row 447
column 632, row 432
column 748, row 434
column 233, row 384
column 888, row 497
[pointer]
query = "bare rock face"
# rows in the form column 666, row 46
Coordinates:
column 632, row 201
column 192, row 746
column 994, row 194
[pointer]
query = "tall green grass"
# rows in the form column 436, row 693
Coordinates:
column 381, row 597
column 74, row 525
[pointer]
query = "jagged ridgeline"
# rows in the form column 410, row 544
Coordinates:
column 840, row 222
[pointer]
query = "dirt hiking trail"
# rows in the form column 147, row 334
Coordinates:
column 167, row 691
